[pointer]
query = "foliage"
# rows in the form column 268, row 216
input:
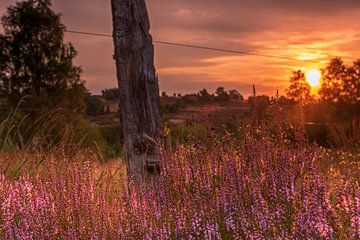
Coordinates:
column 352, row 84
column 255, row 188
column 299, row 89
column 205, row 96
column 341, row 88
column 222, row 95
column 112, row 136
column 55, row 128
column 334, row 75
column 174, row 103
column 94, row 106
column 35, row 61
column 341, row 84
column 235, row 95
column 111, row 94
column 339, row 102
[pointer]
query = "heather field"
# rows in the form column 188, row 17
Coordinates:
column 182, row 119
column 258, row 187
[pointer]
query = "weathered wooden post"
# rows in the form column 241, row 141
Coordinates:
column 138, row 84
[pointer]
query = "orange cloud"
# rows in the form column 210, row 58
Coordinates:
column 310, row 33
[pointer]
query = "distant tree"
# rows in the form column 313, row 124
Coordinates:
column 235, row 95
column 299, row 89
column 163, row 94
column 351, row 86
column 204, row 96
column 333, row 82
column 111, row 94
column 340, row 92
column 222, row 95
column 35, row 61
column 94, row 106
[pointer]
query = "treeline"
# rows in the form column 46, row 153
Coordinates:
column 173, row 103
column 338, row 99
column 169, row 103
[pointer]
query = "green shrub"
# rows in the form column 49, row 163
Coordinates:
column 112, row 135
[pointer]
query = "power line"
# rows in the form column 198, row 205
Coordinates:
column 88, row 33
column 199, row 47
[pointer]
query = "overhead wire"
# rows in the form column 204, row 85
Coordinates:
column 176, row 44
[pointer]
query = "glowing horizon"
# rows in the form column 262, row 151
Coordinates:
column 277, row 28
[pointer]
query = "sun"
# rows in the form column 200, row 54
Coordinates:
column 313, row 77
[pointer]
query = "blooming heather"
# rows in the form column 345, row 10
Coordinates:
column 256, row 188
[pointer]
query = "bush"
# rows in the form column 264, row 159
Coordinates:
column 55, row 128
column 94, row 106
column 112, row 135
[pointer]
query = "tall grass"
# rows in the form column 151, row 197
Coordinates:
column 258, row 187
column 54, row 129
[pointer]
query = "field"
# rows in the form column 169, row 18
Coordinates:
column 259, row 187
column 213, row 120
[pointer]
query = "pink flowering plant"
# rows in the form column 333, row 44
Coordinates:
column 259, row 187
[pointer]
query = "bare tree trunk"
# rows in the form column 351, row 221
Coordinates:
column 138, row 84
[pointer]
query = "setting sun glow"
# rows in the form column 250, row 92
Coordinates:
column 313, row 77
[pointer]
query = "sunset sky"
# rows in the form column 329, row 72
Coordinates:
column 306, row 30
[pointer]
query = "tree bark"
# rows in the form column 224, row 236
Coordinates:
column 138, row 86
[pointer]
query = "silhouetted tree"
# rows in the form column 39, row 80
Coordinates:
column 35, row 61
column 299, row 89
column 333, row 82
column 204, row 96
column 94, row 106
column 222, row 95
column 111, row 94
column 352, row 83
column 4, row 59
column 235, row 95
